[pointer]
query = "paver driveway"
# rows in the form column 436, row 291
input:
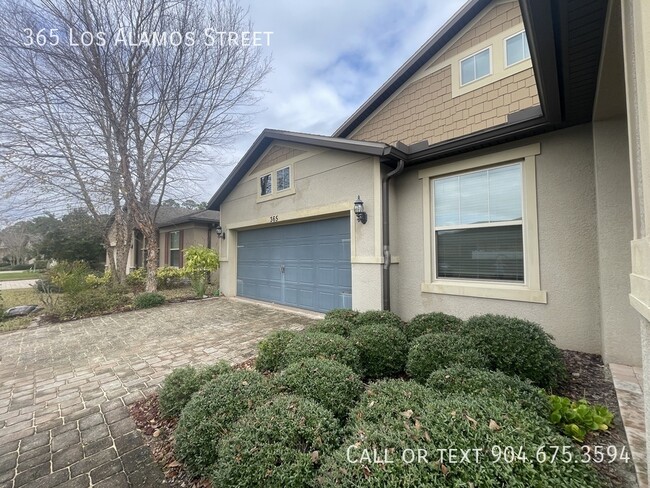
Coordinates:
column 64, row 388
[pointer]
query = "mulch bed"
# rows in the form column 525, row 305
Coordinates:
column 591, row 380
column 588, row 378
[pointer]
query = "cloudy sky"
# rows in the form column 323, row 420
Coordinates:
column 329, row 56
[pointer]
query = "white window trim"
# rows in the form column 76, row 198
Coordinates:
column 460, row 66
column 275, row 172
column 505, row 50
column 530, row 290
column 275, row 193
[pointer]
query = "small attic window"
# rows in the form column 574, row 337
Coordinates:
column 476, row 66
column 283, row 178
column 517, row 49
column 266, row 185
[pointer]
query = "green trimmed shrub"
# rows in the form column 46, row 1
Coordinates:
column 342, row 314
column 321, row 345
column 438, row 351
column 332, row 384
column 182, row 383
column 383, row 317
column 270, row 351
column 137, row 279
column 432, row 323
column 280, row 444
column 398, row 418
column 89, row 302
column 148, row 300
column 209, row 415
column 331, row 326
column 517, row 347
column 475, row 381
column 382, row 350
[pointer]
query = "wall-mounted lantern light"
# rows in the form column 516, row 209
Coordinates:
column 362, row 216
column 219, row 231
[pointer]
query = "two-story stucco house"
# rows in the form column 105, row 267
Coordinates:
column 500, row 170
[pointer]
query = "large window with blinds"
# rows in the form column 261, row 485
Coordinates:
column 478, row 231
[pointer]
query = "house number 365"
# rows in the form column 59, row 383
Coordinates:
column 274, row 218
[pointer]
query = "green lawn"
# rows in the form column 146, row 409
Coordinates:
column 13, row 298
column 19, row 275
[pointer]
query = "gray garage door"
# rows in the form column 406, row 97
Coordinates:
column 303, row 265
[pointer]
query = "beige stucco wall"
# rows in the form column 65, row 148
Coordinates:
column 568, row 242
column 326, row 183
column 636, row 36
column 620, row 327
column 432, row 106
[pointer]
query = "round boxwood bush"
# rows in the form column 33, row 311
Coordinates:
column 341, row 314
column 270, row 351
column 330, row 383
column 384, row 317
column 331, row 326
column 517, row 347
column 438, row 351
column 148, row 300
column 182, row 383
column 211, row 413
column 321, row 345
column 279, row 444
column 476, row 381
column 432, row 323
column 396, row 419
column 382, row 350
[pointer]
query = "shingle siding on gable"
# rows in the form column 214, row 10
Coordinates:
column 276, row 155
column 425, row 109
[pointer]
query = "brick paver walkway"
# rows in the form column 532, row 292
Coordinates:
column 64, row 388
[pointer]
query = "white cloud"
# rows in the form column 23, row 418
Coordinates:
column 329, row 57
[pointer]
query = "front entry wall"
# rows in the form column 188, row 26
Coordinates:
column 325, row 185
column 568, row 230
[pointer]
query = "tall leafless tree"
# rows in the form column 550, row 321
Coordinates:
column 118, row 102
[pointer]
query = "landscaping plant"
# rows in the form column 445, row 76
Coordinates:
column 332, row 384
column 210, row 414
column 321, row 345
column 182, row 383
column 395, row 418
column 383, row 317
column 382, row 350
column 428, row 323
column 477, row 381
column 577, row 418
column 280, row 444
column 517, row 347
column 270, row 351
column 199, row 263
column 332, row 326
column 431, row 352
column 342, row 314
column 148, row 300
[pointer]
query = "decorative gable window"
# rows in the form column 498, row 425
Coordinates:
column 283, row 179
column 476, row 66
column 517, row 49
column 266, row 185
column 478, row 225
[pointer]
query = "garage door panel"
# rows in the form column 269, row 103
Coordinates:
column 304, row 265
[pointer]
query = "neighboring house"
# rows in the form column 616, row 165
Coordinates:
column 494, row 170
column 179, row 228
